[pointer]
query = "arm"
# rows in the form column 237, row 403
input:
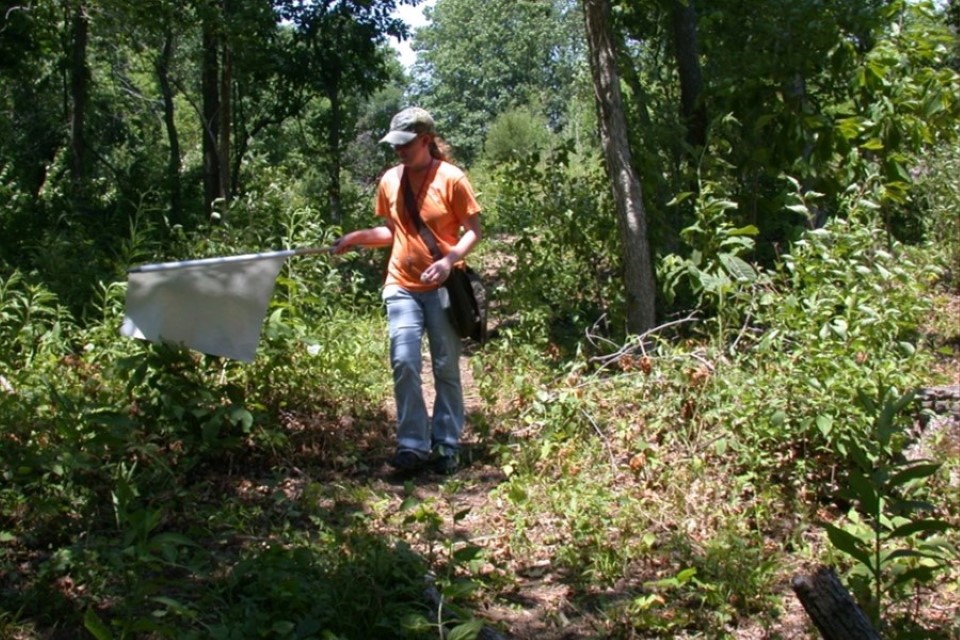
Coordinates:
column 440, row 270
column 381, row 236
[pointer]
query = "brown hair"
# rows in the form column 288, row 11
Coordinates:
column 439, row 149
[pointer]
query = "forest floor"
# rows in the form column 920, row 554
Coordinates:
column 530, row 597
column 540, row 602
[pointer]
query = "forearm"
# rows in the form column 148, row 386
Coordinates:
column 374, row 237
column 440, row 270
column 463, row 247
column 470, row 238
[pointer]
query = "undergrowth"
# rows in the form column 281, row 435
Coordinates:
column 671, row 483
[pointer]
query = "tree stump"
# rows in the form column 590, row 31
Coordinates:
column 831, row 607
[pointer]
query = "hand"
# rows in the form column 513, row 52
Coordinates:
column 339, row 246
column 437, row 273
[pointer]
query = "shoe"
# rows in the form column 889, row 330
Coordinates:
column 406, row 461
column 446, row 461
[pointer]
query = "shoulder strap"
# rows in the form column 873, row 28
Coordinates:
column 413, row 211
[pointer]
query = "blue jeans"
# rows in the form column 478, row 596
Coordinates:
column 409, row 314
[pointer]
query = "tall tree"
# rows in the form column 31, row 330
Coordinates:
column 214, row 188
column 952, row 18
column 631, row 217
column 162, row 65
column 339, row 57
column 150, row 45
column 31, row 93
column 477, row 60
column 79, row 94
column 687, row 50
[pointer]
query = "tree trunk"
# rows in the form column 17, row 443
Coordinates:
column 653, row 163
column 333, row 144
column 173, row 139
column 226, row 120
column 217, row 107
column 953, row 20
column 210, row 80
column 79, row 95
column 631, row 216
column 687, row 50
column 830, row 606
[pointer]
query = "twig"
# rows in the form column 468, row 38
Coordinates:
column 702, row 360
column 742, row 332
column 603, row 438
column 638, row 342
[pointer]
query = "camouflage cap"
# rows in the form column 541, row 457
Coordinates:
column 407, row 125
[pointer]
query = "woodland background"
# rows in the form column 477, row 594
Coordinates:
column 723, row 252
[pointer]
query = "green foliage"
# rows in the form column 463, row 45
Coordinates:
column 850, row 93
column 841, row 314
column 668, row 484
column 562, row 250
column 32, row 322
column 323, row 321
column 477, row 61
column 115, row 431
column 515, row 135
column 939, row 200
column 452, row 565
column 731, row 577
column 715, row 272
column 893, row 532
column 349, row 588
column 173, row 394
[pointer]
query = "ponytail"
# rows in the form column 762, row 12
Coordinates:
column 439, row 149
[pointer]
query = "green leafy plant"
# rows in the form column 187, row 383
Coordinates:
column 341, row 586
column 715, row 271
column 452, row 575
column 842, row 312
column 175, row 396
column 561, row 252
column 892, row 533
column 32, row 322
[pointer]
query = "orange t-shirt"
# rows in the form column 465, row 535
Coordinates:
column 446, row 201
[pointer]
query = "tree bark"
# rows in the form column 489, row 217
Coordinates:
column 333, row 144
column 831, row 607
column 628, row 196
column 226, row 119
column 953, row 20
column 210, row 81
column 173, row 139
column 79, row 94
column 687, row 51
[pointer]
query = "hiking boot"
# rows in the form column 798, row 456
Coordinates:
column 406, row 461
column 446, row 461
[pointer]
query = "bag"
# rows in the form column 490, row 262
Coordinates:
column 462, row 294
column 465, row 299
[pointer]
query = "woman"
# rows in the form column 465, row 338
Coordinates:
column 446, row 204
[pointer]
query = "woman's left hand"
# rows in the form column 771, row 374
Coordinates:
column 437, row 273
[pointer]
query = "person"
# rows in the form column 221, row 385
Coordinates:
column 449, row 209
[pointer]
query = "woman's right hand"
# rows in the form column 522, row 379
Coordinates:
column 340, row 245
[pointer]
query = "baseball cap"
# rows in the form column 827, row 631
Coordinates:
column 407, row 125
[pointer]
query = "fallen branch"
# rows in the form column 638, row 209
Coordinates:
column 831, row 607
column 636, row 343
